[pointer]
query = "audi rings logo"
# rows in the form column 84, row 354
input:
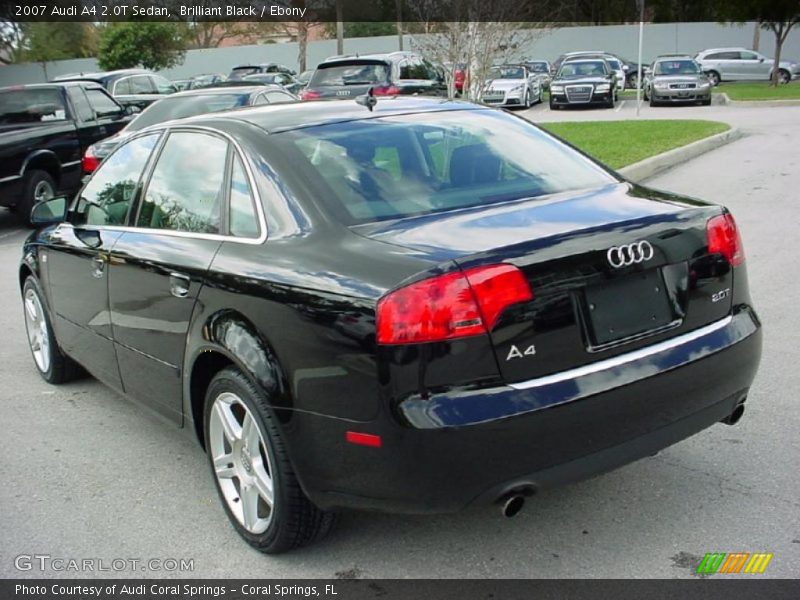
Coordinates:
column 630, row 254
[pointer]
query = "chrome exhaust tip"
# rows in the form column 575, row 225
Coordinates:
column 512, row 505
column 735, row 416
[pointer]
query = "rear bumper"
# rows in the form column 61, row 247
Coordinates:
column 561, row 430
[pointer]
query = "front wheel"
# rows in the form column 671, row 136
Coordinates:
column 713, row 78
column 252, row 472
column 53, row 365
column 39, row 186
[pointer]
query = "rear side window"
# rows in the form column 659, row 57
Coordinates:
column 186, row 191
column 278, row 97
column 32, row 106
column 107, row 197
column 350, row 74
column 242, row 220
column 162, row 86
column 123, row 87
column 142, row 84
column 423, row 163
column 415, row 68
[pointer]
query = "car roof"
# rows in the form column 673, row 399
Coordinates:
column 672, row 57
column 376, row 56
column 52, row 84
column 215, row 91
column 295, row 115
column 729, row 49
column 103, row 75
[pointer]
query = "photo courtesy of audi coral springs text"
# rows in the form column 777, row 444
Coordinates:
column 414, row 307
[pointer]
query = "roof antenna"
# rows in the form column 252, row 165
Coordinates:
column 369, row 100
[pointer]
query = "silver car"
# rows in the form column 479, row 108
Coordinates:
column 676, row 79
column 740, row 64
column 511, row 85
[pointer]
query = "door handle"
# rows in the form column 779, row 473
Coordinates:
column 179, row 285
column 98, row 266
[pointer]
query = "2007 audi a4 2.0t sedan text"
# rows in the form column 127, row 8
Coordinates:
column 415, row 308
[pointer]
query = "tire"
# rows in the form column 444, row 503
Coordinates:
column 713, row 78
column 38, row 186
column 291, row 520
column 706, row 102
column 553, row 106
column 541, row 95
column 53, row 365
column 633, row 81
column 783, row 76
column 653, row 102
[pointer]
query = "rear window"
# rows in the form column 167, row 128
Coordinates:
column 189, row 106
column 538, row 67
column 32, row 106
column 393, row 167
column 350, row 74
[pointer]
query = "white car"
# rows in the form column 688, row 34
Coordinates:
column 741, row 64
column 511, row 85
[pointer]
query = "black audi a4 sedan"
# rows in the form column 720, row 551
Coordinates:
column 415, row 308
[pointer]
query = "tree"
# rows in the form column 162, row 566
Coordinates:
column 152, row 45
column 11, row 42
column 472, row 39
column 777, row 16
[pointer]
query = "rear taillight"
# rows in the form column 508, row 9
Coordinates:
column 386, row 90
column 454, row 305
column 309, row 95
column 89, row 162
column 723, row 238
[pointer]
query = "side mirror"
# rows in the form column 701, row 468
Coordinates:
column 761, row 59
column 50, row 212
column 625, row 68
column 132, row 109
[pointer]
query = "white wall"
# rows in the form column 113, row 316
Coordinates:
column 619, row 39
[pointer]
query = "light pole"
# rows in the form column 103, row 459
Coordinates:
column 639, row 82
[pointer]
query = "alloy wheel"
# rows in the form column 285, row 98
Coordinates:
column 241, row 462
column 38, row 334
column 43, row 191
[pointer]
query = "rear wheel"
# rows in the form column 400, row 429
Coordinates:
column 783, row 76
column 38, row 187
column 252, row 472
column 53, row 365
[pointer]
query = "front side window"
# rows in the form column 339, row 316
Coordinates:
column 107, row 197
column 406, row 165
column 103, row 105
column 186, row 191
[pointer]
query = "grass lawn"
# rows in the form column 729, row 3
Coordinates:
column 622, row 143
column 760, row 91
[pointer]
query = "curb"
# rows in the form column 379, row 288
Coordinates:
column 725, row 99
column 650, row 167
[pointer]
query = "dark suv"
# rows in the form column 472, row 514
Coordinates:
column 393, row 74
column 130, row 87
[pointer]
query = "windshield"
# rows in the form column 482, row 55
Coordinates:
column 405, row 165
column 593, row 68
column 677, row 67
column 507, row 73
column 358, row 74
column 31, row 106
column 614, row 64
column 539, row 67
column 188, row 106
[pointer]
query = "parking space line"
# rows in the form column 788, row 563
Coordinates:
column 621, row 104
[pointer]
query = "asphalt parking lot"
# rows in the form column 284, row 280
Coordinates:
column 88, row 475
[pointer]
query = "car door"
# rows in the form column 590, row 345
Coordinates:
column 157, row 267
column 99, row 115
column 77, row 259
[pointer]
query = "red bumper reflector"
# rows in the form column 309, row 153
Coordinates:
column 363, row 439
